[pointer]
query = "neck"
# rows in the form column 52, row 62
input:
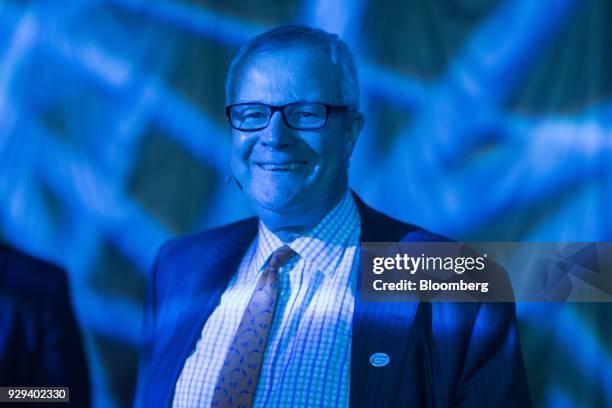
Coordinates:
column 289, row 226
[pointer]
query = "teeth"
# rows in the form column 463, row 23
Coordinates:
column 281, row 167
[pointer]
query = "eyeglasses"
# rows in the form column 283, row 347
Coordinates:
column 250, row 117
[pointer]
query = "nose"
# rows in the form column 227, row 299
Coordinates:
column 277, row 134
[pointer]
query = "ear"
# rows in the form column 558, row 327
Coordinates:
column 354, row 127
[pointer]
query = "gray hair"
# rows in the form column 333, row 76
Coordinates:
column 337, row 51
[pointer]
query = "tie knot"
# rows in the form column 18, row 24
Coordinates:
column 281, row 256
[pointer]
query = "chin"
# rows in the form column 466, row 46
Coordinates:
column 276, row 202
column 278, row 198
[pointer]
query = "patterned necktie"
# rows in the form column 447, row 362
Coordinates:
column 239, row 374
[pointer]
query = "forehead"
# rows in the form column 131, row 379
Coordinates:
column 283, row 76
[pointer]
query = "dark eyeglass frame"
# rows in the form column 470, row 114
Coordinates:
column 281, row 108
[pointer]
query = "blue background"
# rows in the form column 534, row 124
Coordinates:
column 486, row 120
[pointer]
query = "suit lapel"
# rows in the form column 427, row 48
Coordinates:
column 380, row 327
column 206, row 288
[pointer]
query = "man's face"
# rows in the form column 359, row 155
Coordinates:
column 319, row 158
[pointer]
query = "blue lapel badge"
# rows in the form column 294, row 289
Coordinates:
column 379, row 359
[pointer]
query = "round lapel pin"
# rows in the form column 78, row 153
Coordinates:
column 379, row 359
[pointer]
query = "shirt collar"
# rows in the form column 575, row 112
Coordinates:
column 324, row 245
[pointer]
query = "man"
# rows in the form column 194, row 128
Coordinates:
column 40, row 345
column 267, row 312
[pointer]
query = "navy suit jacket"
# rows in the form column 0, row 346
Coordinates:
column 40, row 344
column 441, row 354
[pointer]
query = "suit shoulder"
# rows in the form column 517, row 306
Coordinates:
column 419, row 234
column 191, row 246
column 414, row 233
column 379, row 227
column 182, row 261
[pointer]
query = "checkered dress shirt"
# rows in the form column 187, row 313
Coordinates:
column 307, row 359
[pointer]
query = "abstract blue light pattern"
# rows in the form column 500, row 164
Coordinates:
column 492, row 119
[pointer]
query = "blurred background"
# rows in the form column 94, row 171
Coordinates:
column 486, row 120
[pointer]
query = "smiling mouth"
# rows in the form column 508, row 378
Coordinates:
column 281, row 166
